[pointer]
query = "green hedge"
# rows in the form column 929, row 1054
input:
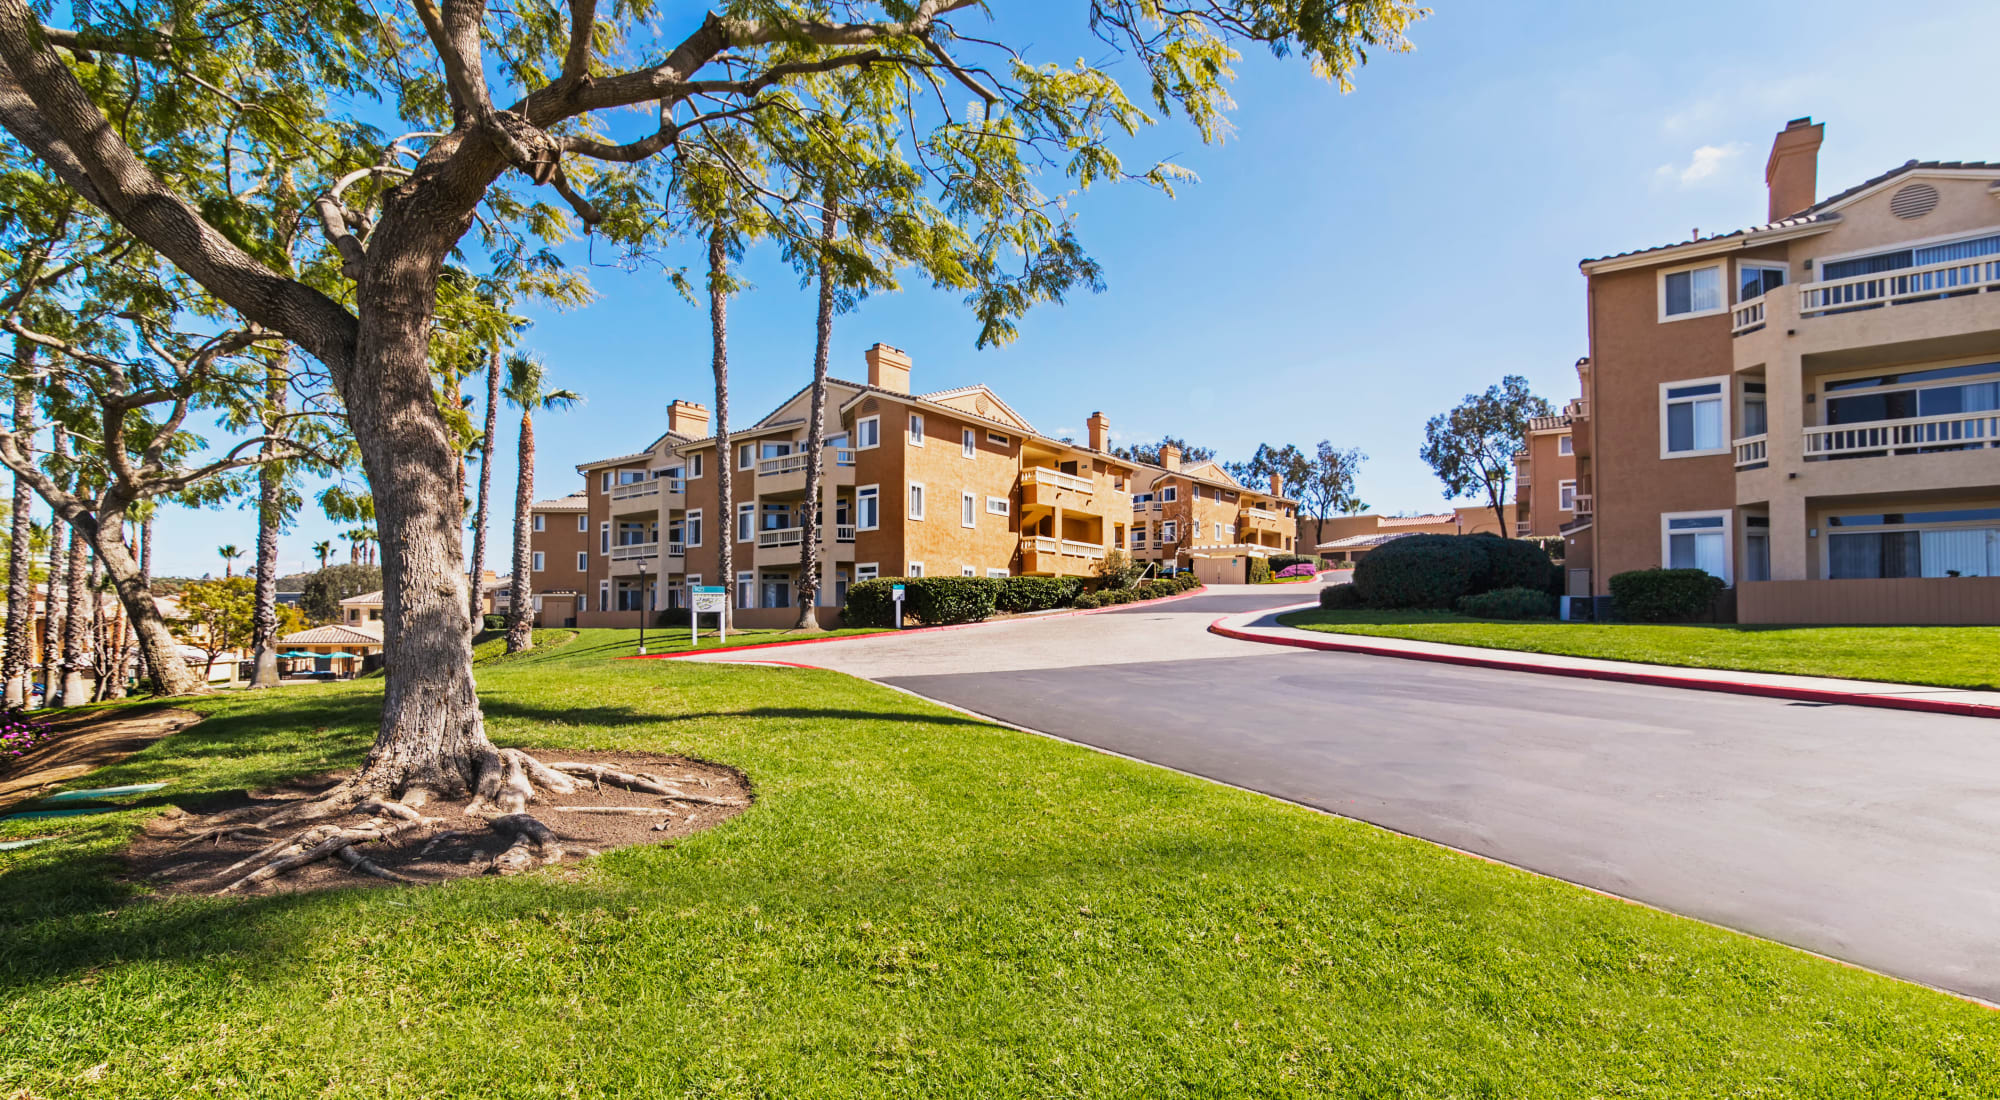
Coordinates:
column 1509, row 603
column 1018, row 594
column 1339, row 597
column 1088, row 601
column 932, row 601
column 494, row 622
column 1664, row 595
column 674, row 616
column 1436, row 571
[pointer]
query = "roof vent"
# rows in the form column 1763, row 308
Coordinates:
column 1914, row 201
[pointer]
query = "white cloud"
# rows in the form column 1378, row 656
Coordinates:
column 1705, row 163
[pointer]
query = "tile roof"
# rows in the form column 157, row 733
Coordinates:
column 366, row 599
column 335, row 634
column 1416, row 521
column 1794, row 222
column 1356, row 541
column 1548, row 423
column 1902, row 169
column 575, row 502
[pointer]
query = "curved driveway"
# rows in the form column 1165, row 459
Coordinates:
column 1868, row 835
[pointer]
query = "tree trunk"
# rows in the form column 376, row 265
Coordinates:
column 725, row 462
column 20, row 563
column 132, row 578
column 146, row 673
column 520, row 604
column 811, row 554
column 53, row 605
column 75, row 623
column 270, row 515
column 480, row 515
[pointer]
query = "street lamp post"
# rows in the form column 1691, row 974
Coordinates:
column 642, row 609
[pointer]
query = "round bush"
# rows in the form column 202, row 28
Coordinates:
column 1516, row 563
column 1664, row 595
column 1087, row 601
column 1018, row 594
column 1509, row 603
column 1339, row 597
column 494, row 622
column 1435, row 571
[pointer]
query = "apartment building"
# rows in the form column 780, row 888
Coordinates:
column 953, row 482
column 1806, row 408
column 1545, row 482
column 1199, row 517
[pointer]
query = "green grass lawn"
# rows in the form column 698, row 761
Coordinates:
column 1947, row 656
column 558, row 643
column 919, row 904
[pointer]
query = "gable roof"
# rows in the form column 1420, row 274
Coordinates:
column 335, row 634
column 966, row 399
column 366, row 599
column 575, row 502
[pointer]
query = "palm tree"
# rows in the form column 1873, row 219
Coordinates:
column 361, row 542
column 323, row 550
column 527, row 390
column 20, row 563
column 485, row 479
column 229, row 553
column 718, row 323
column 810, row 552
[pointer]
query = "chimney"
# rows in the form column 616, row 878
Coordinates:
column 1100, row 432
column 1277, row 485
column 685, row 418
column 888, row 368
column 1170, row 457
column 1792, row 173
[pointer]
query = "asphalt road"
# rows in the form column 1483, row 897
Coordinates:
column 1868, row 835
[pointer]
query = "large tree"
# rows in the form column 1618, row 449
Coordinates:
column 1322, row 482
column 1471, row 448
column 392, row 211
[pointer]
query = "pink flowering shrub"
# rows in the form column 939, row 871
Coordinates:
column 1299, row 570
column 18, row 734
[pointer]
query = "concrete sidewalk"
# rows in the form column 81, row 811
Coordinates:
column 1262, row 626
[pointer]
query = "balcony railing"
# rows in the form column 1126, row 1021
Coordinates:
column 1041, row 544
column 677, row 549
column 1968, row 431
column 843, row 532
column 1263, row 514
column 783, row 464
column 1042, row 475
column 1750, row 450
column 780, row 536
column 843, row 456
column 1583, row 504
column 636, row 489
column 1748, row 317
column 1895, row 287
column 635, row 551
column 1523, row 530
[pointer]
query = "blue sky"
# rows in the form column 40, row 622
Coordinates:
column 1348, row 265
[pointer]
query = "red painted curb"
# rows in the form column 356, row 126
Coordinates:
column 913, row 630
column 1651, row 679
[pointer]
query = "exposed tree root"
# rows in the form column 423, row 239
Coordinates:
column 641, row 781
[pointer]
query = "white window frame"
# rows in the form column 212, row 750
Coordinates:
column 1728, row 539
column 968, row 443
column 968, row 511
column 537, row 559
column 583, row 561
column 746, row 455
column 604, row 537
column 967, row 571
column 1721, row 283
column 694, row 466
column 1759, row 265
column 583, row 525
column 871, row 492
column 1721, row 397
column 868, row 428
column 1565, row 446
column 915, row 501
column 541, row 522
column 916, row 569
column 916, row 429
column 604, row 482
column 603, row 595
column 1167, row 494
column 691, row 526
column 999, row 439
column 1167, row 530
column 746, row 588
column 1566, row 491
column 996, row 574
column 746, row 521
column 997, row 506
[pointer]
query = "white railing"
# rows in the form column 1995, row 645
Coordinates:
column 634, row 490
column 1581, row 504
column 1263, row 514
column 781, row 536
column 1042, row 475
column 1081, row 550
column 677, row 549
column 635, row 551
column 1968, row 430
column 843, row 456
column 1042, row 544
column 843, row 532
column 1750, row 450
column 675, row 484
column 783, row 464
column 1523, row 530
column 1748, row 317
column 1892, row 287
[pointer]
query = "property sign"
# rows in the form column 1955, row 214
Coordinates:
column 896, row 593
column 709, row 599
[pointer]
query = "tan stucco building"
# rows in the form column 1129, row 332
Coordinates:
column 1806, row 408
column 1545, row 484
column 1196, row 516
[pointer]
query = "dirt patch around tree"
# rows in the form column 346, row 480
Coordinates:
column 598, row 816
column 84, row 743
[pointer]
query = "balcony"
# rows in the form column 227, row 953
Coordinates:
column 1263, row 520
column 676, row 556
column 1918, row 435
column 1748, row 317
column 1059, row 557
column 1043, row 487
column 786, row 474
column 628, row 559
column 780, row 546
column 1889, row 288
column 1584, row 505
column 1751, row 451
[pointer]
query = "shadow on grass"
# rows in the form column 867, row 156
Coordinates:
column 626, row 716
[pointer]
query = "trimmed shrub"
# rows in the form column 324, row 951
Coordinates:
column 932, row 601
column 1282, row 562
column 1424, row 571
column 1516, row 563
column 1086, row 602
column 870, row 603
column 1664, row 595
column 674, row 616
column 1302, row 569
column 1033, row 593
column 1509, row 603
column 494, row 622
column 1158, row 589
column 1260, row 570
column 1339, row 597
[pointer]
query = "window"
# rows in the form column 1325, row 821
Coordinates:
column 604, row 595
column 604, row 537
column 775, row 450
column 916, row 500
column 746, row 590
column 746, row 521
column 968, row 511
column 1696, row 540
column 1960, row 542
column 867, row 508
column 1167, row 531
column 694, row 465
column 583, row 603
column 538, row 561
column 967, row 571
column 538, row 605
column 867, row 432
column 604, row 486
column 1168, row 494
column 1218, row 531
column 1754, row 420
column 541, row 522
column 1693, row 418
column 631, row 598
column 1691, row 292
column 745, row 455
column 583, row 525
column 582, row 561
column 866, row 571
column 1566, row 496
column 694, row 529
column 916, row 569
column 631, row 477
column 1565, row 445
column 968, row 445
column 1756, row 548
column 1934, row 391
column 1754, row 280
column 996, row 506
column 916, row 429
column 1138, row 535
column 997, row 439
